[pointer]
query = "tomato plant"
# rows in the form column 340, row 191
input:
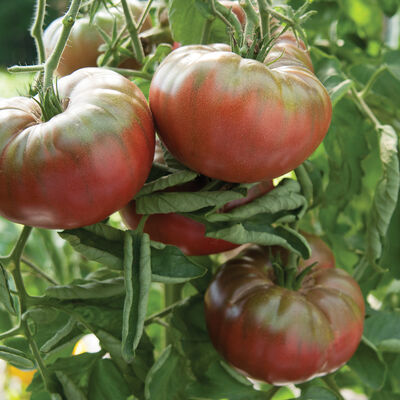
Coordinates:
column 239, row 93
column 280, row 335
column 53, row 172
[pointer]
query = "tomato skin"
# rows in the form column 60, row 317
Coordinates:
column 81, row 165
column 186, row 233
column 237, row 119
column 82, row 49
column 279, row 335
column 320, row 253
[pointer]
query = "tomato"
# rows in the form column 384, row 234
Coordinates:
column 81, row 165
column 279, row 335
column 236, row 119
column 320, row 253
column 82, row 49
column 186, row 233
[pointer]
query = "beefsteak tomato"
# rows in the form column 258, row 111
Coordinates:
column 81, row 165
column 236, row 119
column 184, row 232
column 279, row 335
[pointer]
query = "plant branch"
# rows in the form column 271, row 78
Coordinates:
column 54, row 58
column 37, row 30
column 331, row 383
column 131, row 73
column 264, row 18
column 10, row 332
column 363, row 106
column 144, row 15
column 161, row 314
column 25, row 68
column 372, row 80
column 35, row 268
column 133, row 32
column 205, row 35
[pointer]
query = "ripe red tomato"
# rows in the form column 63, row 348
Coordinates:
column 279, row 335
column 320, row 253
column 185, row 233
column 81, row 165
column 82, row 49
column 237, row 119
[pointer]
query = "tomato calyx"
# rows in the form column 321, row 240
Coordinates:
column 50, row 103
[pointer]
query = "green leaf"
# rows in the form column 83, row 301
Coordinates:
column 392, row 60
column 71, row 390
column 177, row 178
column 168, row 377
column 137, row 271
column 16, row 357
column 5, row 295
column 168, row 202
column 285, row 197
column 197, row 12
column 170, row 265
column 383, row 330
column 99, row 242
column 317, row 392
column 383, row 395
column 91, row 289
column 369, row 366
column 60, row 334
column 107, row 383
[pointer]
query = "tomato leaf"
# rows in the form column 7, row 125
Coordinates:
column 317, row 392
column 5, row 295
column 16, row 357
column 87, row 289
column 170, row 265
column 100, row 242
column 137, row 272
column 167, row 202
column 168, row 377
column 71, row 390
column 60, row 334
column 107, row 383
column 392, row 60
column 177, row 178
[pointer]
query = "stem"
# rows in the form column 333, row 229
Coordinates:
column 25, row 68
column 291, row 271
column 133, row 32
column 131, row 72
column 54, row 59
column 251, row 24
column 172, row 295
column 37, row 30
column 161, row 314
column 205, row 35
column 144, row 15
column 363, row 106
column 331, row 383
column 264, row 18
column 305, row 182
column 271, row 392
column 372, row 80
column 35, row 268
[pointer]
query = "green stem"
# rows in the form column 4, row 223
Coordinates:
column 161, row 314
column 144, row 15
column 133, row 32
column 11, row 332
column 131, row 73
column 37, row 30
column 271, row 392
column 39, row 271
column 363, row 106
column 305, row 182
column 264, row 18
column 291, row 271
column 372, row 80
column 172, row 295
column 205, row 35
column 331, row 383
column 15, row 69
column 54, row 58
column 252, row 22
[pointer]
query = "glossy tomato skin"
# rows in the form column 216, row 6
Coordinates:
column 239, row 120
column 81, row 165
column 82, row 49
column 279, row 335
column 320, row 253
column 186, row 233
